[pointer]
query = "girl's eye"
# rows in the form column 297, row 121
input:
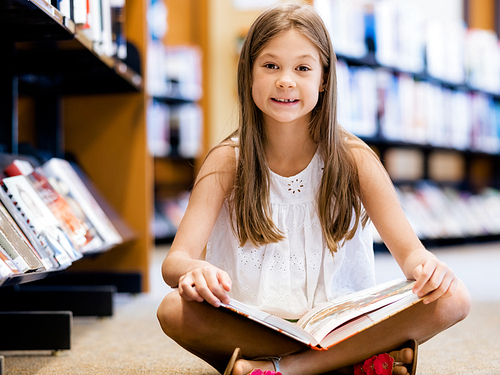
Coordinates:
column 303, row 68
column 271, row 66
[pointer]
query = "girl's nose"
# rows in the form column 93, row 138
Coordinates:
column 285, row 82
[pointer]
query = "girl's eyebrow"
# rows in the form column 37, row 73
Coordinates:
column 301, row 57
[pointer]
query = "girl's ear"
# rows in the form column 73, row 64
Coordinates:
column 323, row 85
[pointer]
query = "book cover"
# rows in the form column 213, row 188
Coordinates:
column 330, row 323
column 16, row 246
column 37, row 222
column 71, row 217
column 62, row 170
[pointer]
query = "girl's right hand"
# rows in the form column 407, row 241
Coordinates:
column 206, row 283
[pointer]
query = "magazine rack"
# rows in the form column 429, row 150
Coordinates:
column 51, row 65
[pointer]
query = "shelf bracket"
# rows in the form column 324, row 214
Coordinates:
column 9, row 94
column 80, row 300
column 46, row 330
column 48, row 110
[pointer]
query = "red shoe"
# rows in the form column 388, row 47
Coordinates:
column 383, row 364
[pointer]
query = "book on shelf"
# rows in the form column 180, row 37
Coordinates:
column 333, row 322
column 38, row 223
column 101, row 21
column 118, row 37
column 16, row 246
column 66, row 209
column 63, row 172
column 7, row 266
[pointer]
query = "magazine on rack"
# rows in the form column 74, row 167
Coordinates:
column 39, row 225
column 72, row 219
column 16, row 246
column 60, row 172
column 330, row 323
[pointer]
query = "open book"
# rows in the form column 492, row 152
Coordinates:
column 330, row 323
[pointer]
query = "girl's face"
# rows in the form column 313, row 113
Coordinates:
column 287, row 78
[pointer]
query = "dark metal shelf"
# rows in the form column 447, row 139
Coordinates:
column 369, row 60
column 387, row 143
column 29, row 277
column 431, row 243
column 33, row 20
column 81, row 70
column 60, row 49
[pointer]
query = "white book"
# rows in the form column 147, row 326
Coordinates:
column 190, row 130
column 107, row 36
column 385, row 13
column 80, row 11
column 95, row 17
column 158, row 128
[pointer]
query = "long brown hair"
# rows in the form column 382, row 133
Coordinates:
column 339, row 194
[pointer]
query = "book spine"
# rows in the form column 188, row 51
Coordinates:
column 36, row 239
column 16, row 258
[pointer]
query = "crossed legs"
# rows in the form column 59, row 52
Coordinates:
column 212, row 334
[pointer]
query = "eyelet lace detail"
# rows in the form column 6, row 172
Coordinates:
column 295, row 185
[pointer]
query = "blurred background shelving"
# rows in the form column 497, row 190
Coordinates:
column 409, row 86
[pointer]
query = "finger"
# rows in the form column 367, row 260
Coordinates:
column 416, row 274
column 215, row 284
column 208, row 286
column 424, row 273
column 448, row 293
column 224, row 280
column 225, row 284
column 441, row 290
column 439, row 273
column 187, row 289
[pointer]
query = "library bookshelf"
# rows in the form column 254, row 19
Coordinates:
column 64, row 98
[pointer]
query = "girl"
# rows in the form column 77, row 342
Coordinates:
column 282, row 207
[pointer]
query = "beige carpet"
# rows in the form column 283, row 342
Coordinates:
column 131, row 342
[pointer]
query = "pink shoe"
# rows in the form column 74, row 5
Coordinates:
column 276, row 364
column 237, row 355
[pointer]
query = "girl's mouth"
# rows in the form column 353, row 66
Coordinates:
column 285, row 100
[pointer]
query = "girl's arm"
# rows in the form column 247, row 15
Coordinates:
column 196, row 279
column 379, row 198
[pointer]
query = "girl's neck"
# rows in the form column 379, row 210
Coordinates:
column 289, row 150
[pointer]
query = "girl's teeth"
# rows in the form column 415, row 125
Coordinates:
column 285, row 100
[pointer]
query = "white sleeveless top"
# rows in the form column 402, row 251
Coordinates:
column 291, row 277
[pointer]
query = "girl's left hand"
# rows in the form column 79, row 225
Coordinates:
column 434, row 279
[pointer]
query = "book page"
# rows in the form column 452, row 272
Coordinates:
column 368, row 320
column 274, row 322
column 326, row 317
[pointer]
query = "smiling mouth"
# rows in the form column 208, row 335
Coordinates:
column 285, row 100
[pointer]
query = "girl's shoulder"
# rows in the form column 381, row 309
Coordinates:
column 365, row 158
column 219, row 166
column 221, row 158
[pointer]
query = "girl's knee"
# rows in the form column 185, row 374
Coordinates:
column 456, row 307
column 167, row 314
column 463, row 301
